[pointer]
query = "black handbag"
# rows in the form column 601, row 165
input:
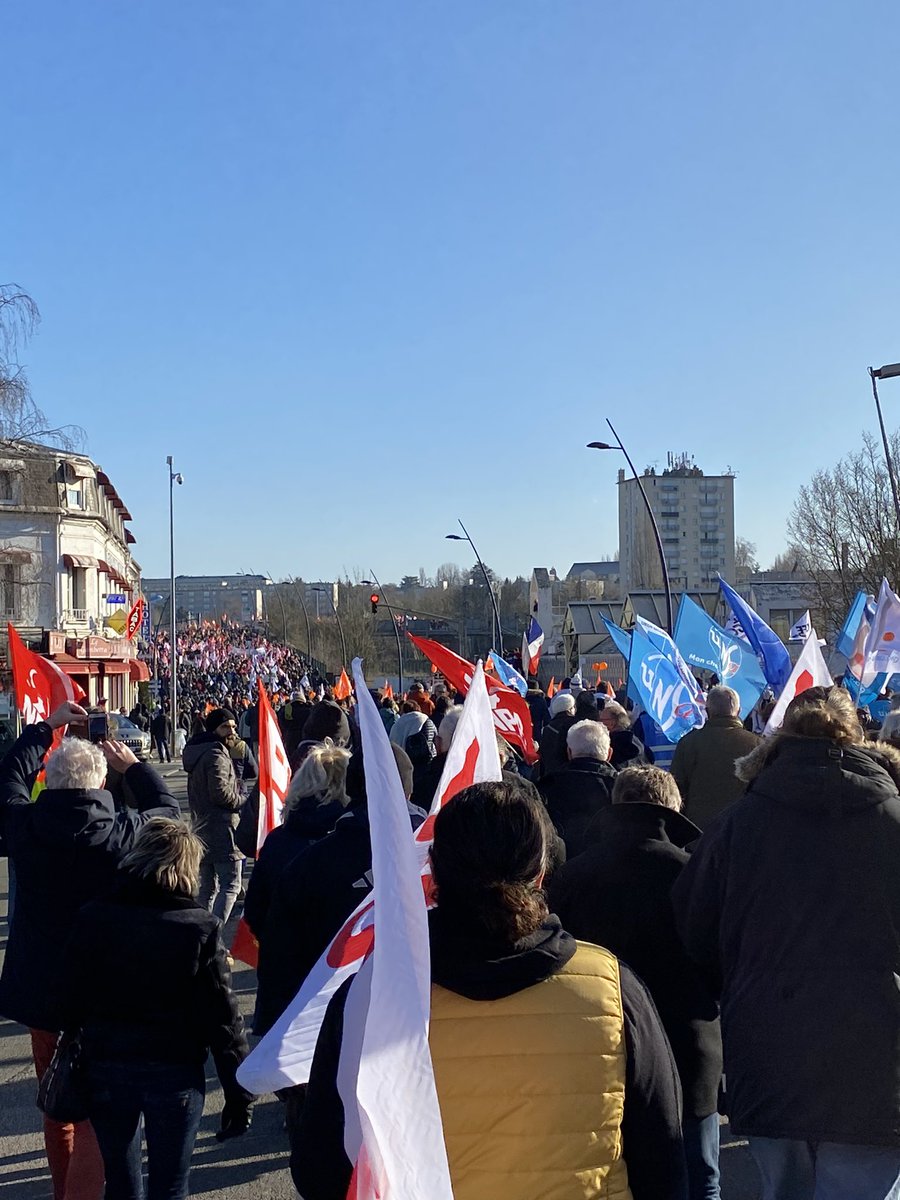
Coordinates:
column 63, row 1092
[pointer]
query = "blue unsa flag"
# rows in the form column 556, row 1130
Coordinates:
column 773, row 656
column 663, row 681
column 706, row 645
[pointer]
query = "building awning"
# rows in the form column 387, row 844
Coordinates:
column 79, row 560
column 130, row 539
column 13, row 554
column 80, row 470
column 76, row 666
column 138, row 670
column 113, row 666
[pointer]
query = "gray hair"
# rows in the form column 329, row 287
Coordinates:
column 646, row 785
column 322, row 773
column 562, row 702
column 447, row 727
column 76, row 764
column 588, row 739
column 619, row 714
column 722, row 701
column 167, row 852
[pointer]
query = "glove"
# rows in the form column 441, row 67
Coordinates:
column 236, row 1117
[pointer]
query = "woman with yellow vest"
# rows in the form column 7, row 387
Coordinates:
column 553, row 1073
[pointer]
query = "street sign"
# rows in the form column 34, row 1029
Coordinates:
column 115, row 598
column 117, row 620
column 146, row 628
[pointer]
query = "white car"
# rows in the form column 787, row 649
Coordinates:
column 123, row 730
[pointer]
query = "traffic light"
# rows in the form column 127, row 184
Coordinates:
column 373, row 600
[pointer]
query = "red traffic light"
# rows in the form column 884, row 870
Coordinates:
column 373, row 600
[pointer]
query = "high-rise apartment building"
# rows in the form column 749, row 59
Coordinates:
column 695, row 515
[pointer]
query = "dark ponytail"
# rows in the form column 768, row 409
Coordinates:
column 490, row 847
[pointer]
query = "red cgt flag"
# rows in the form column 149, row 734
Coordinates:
column 274, row 780
column 512, row 716
column 40, row 685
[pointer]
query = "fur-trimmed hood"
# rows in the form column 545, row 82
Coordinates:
column 795, row 770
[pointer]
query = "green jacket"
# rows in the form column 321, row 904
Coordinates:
column 703, row 767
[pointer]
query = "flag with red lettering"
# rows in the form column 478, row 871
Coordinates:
column 274, row 780
column 39, row 684
column 392, row 1120
column 512, row 716
column 809, row 671
column 134, row 618
column 284, row 1055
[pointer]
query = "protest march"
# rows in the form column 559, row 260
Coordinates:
column 510, row 938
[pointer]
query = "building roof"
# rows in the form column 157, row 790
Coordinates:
column 541, row 576
column 597, row 569
column 586, row 615
column 651, row 604
column 200, row 581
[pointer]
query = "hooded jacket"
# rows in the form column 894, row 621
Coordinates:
column 791, row 902
column 575, row 795
column 214, row 793
column 523, row 1118
column 617, row 894
column 66, row 847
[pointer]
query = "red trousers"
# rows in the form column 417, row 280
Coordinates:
column 72, row 1151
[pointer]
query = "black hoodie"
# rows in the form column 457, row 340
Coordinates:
column 66, row 848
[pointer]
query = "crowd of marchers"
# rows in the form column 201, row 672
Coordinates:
column 611, row 942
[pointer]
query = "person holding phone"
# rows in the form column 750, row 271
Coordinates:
column 66, row 847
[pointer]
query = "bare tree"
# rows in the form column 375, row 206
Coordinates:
column 745, row 561
column 844, row 525
column 20, row 417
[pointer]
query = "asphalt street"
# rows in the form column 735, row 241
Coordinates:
column 252, row 1167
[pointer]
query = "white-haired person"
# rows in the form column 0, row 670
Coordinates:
column 552, row 746
column 576, row 793
column 146, row 984
column 66, row 847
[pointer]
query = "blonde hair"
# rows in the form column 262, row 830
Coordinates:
column 322, row 773
column 167, row 852
column 824, row 713
column 646, row 785
column 76, row 764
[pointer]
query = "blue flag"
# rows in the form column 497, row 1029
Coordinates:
column 663, row 681
column 773, row 656
column 508, row 675
column 706, row 645
column 622, row 639
column 864, row 697
column 847, row 637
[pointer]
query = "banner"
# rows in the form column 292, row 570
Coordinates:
column 667, row 690
column 284, row 1055
column 392, row 1128
column 809, row 671
column 274, row 781
column 135, row 618
column 801, row 629
column 705, row 644
column 512, row 716
column 773, row 656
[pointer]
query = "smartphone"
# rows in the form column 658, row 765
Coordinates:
column 98, row 727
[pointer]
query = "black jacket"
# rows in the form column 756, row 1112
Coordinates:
column 552, row 743
column 146, row 979
column 214, row 793
column 302, row 826
column 66, row 848
column 792, row 900
column 627, row 749
column 316, row 892
column 161, row 726
column 540, row 711
column 651, row 1133
column 574, row 795
column 617, row 894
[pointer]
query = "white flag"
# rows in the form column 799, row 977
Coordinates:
column 284, row 1055
column 809, row 671
column 882, row 648
column 800, row 629
column 396, row 1139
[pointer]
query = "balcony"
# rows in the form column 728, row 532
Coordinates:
column 75, row 616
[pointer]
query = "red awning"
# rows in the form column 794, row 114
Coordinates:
column 112, row 666
column 76, row 666
column 138, row 670
column 79, row 560
column 129, row 537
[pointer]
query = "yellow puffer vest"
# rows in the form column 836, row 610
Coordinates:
column 532, row 1087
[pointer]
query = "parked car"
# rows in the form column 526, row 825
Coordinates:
column 126, row 731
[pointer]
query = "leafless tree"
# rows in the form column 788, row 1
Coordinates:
column 745, row 560
column 20, row 417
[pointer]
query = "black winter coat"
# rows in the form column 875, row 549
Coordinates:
column 552, row 743
column 66, row 848
column 146, row 979
column 302, row 826
column 792, row 899
column 617, row 894
column 540, row 711
column 574, row 796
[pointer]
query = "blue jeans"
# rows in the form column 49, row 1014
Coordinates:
column 701, row 1150
column 170, row 1098
column 796, row 1170
column 220, row 884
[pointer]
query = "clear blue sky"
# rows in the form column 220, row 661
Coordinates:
column 364, row 267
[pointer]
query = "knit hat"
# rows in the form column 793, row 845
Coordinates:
column 327, row 719
column 563, row 702
column 217, row 717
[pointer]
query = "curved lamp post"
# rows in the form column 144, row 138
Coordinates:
column 455, row 537
column 340, row 624
column 659, row 546
column 174, row 477
column 891, row 371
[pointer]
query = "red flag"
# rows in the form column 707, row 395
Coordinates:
column 512, row 716
column 342, row 688
column 388, row 691
column 552, row 688
column 40, row 685
column 274, row 780
column 134, row 618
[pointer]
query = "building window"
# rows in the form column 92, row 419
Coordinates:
column 79, row 587
column 9, row 589
column 75, row 495
column 7, row 487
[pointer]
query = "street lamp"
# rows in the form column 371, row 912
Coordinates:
column 373, row 582
column 455, row 537
column 891, row 371
column 283, row 618
column 293, row 582
column 337, row 618
column 173, row 479
column 659, row 545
